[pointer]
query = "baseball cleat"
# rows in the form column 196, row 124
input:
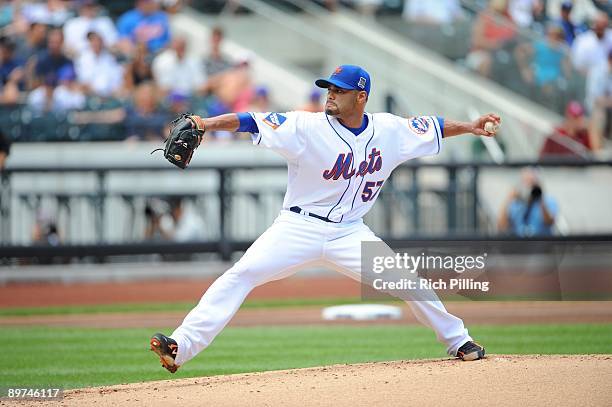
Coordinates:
column 166, row 348
column 471, row 351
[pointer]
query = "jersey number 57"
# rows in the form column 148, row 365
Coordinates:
column 370, row 190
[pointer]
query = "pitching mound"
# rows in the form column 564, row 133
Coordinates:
column 497, row 380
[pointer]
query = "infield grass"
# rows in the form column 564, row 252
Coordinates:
column 82, row 357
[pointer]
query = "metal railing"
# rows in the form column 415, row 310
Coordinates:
column 419, row 200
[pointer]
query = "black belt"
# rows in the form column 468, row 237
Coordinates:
column 299, row 210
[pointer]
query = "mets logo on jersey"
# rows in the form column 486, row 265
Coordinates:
column 274, row 120
column 343, row 167
column 419, row 125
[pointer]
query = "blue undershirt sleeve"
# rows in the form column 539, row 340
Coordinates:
column 441, row 123
column 247, row 123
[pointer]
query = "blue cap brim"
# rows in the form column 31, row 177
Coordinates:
column 324, row 83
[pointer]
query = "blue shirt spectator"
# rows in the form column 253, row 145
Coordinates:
column 527, row 211
column 144, row 24
column 527, row 218
column 549, row 58
column 51, row 60
column 144, row 120
column 547, row 62
column 8, row 61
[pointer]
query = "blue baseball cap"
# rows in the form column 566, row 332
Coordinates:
column 347, row 77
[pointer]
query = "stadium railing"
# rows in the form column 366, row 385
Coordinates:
column 412, row 206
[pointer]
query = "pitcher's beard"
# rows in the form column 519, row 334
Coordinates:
column 331, row 111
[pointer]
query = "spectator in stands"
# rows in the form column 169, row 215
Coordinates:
column 52, row 12
column 186, row 224
column 138, row 70
column 599, row 98
column 32, row 43
column 176, row 70
column 40, row 100
column 10, row 93
column 527, row 211
column 146, row 23
column 313, row 104
column 8, row 61
column 261, row 100
column 436, row 12
column 233, row 89
column 5, row 149
column 570, row 30
column 45, row 231
column 215, row 62
column 88, row 20
column 492, row 31
column 53, row 58
column 155, row 210
column 178, row 103
column 571, row 138
column 144, row 118
column 544, row 62
column 591, row 48
column 582, row 10
column 97, row 69
column 6, row 13
column 68, row 95
column 605, row 6
column 525, row 12
column 180, row 223
column 171, row 6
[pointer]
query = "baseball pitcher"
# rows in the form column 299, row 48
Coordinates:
column 338, row 161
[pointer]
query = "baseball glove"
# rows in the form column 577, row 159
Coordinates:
column 184, row 137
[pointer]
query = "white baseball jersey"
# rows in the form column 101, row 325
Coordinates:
column 332, row 172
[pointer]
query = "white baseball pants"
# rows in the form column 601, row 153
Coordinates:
column 295, row 241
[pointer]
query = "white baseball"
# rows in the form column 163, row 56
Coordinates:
column 491, row 127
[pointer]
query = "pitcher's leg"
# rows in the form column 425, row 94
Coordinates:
column 344, row 254
column 448, row 328
column 282, row 250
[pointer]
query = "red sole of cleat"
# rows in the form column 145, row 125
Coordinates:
column 155, row 347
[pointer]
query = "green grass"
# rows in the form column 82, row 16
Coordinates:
column 81, row 357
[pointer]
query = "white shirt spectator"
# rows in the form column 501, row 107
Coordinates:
column 100, row 72
column 432, row 11
column 63, row 99
column 582, row 10
column 66, row 98
column 41, row 13
column 76, row 29
column 589, row 51
column 38, row 99
column 521, row 11
column 599, row 84
column 189, row 227
column 174, row 70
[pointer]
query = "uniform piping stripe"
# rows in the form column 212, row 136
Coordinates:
column 438, row 131
column 364, row 159
column 352, row 164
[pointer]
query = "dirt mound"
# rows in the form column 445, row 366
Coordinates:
column 498, row 380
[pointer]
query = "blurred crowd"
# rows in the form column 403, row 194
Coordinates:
column 554, row 51
column 73, row 61
column 70, row 61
